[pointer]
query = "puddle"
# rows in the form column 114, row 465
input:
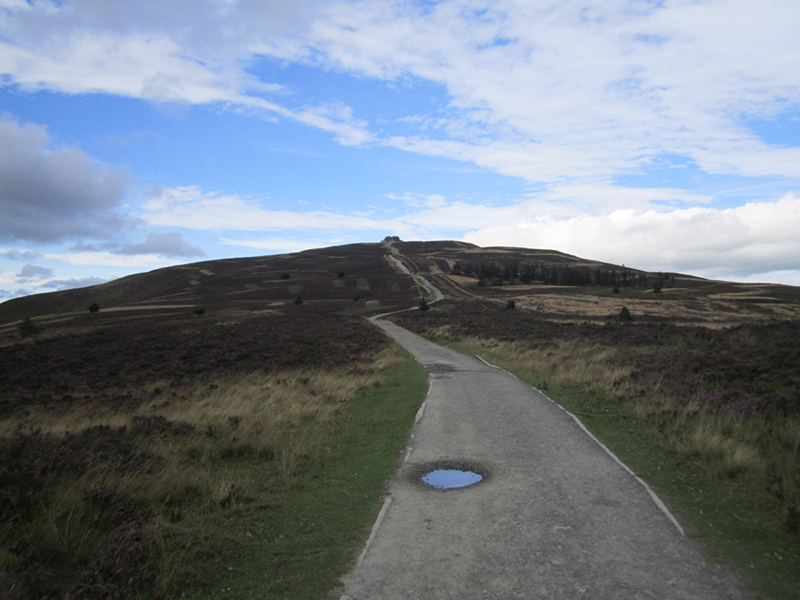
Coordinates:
column 449, row 479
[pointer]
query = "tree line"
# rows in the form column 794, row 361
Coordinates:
column 495, row 273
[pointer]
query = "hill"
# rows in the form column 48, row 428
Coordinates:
column 360, row 278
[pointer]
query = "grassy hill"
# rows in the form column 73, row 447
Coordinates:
column 359, row 278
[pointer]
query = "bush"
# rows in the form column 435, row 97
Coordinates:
column 285, row 276
column 94, row 307
column 423, row 304
column 625, row 314
column 341, row 274
column 298, row 299
column 615, row 290
column 511, row 305
column 27, row 328
column 199, row 311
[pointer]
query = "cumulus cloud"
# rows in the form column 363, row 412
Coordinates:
column 165, row 244
column 33, row 272
column 51, row 195
column 755, row 238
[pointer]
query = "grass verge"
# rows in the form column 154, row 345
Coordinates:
column 301, row 537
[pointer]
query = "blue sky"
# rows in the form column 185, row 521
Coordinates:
column 134, row 135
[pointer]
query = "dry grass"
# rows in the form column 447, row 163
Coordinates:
column 758, row 447
column 179, row 456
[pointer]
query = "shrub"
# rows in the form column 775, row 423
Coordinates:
column 423, row 304
column 298, row 299
column 341, row 274
column 511, row 305
column 615, row 290
column 199, row 311
column 27, row 328
column 625, row 314
column 94, row 307
column 285, row 276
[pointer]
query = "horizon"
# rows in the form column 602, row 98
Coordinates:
column 662, row 136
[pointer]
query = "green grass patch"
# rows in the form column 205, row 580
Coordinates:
column 305, row 533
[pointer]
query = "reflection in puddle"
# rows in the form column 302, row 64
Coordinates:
column 448, row 479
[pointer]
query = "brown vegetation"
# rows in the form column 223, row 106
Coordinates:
column 118, row 442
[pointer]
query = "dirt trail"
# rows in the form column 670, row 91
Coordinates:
column 555, row 517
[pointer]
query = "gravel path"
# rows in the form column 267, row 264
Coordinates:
column 555, row 517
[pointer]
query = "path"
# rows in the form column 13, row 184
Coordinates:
column 556, row 516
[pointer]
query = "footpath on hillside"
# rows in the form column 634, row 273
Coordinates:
column 555, row 516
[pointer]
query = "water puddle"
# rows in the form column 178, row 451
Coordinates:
column 449, row 479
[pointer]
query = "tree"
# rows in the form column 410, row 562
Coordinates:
column 625, row 314
column 511, row 305
column 27, row 328
column 298, row 299
column 423, row 304
column 94, row 307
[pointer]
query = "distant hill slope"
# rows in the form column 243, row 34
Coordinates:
column 249, row 283
column 359, row 277
column 562, row 286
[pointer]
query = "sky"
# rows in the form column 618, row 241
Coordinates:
column 663, row 135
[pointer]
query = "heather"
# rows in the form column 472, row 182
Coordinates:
column 138, row 458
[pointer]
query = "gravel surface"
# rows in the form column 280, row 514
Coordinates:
column 555, row 515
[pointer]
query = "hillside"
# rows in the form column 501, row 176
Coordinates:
column 359, row 278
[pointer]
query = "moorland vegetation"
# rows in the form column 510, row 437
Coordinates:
column 145, row 459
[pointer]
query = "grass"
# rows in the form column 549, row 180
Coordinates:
column 706, row 417
column 264, row 482
column 301, row 537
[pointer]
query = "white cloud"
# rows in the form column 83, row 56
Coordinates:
column 109, row 259
column 544, row 91
column 756, row 238
column 193, row 208
column 578, row 89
